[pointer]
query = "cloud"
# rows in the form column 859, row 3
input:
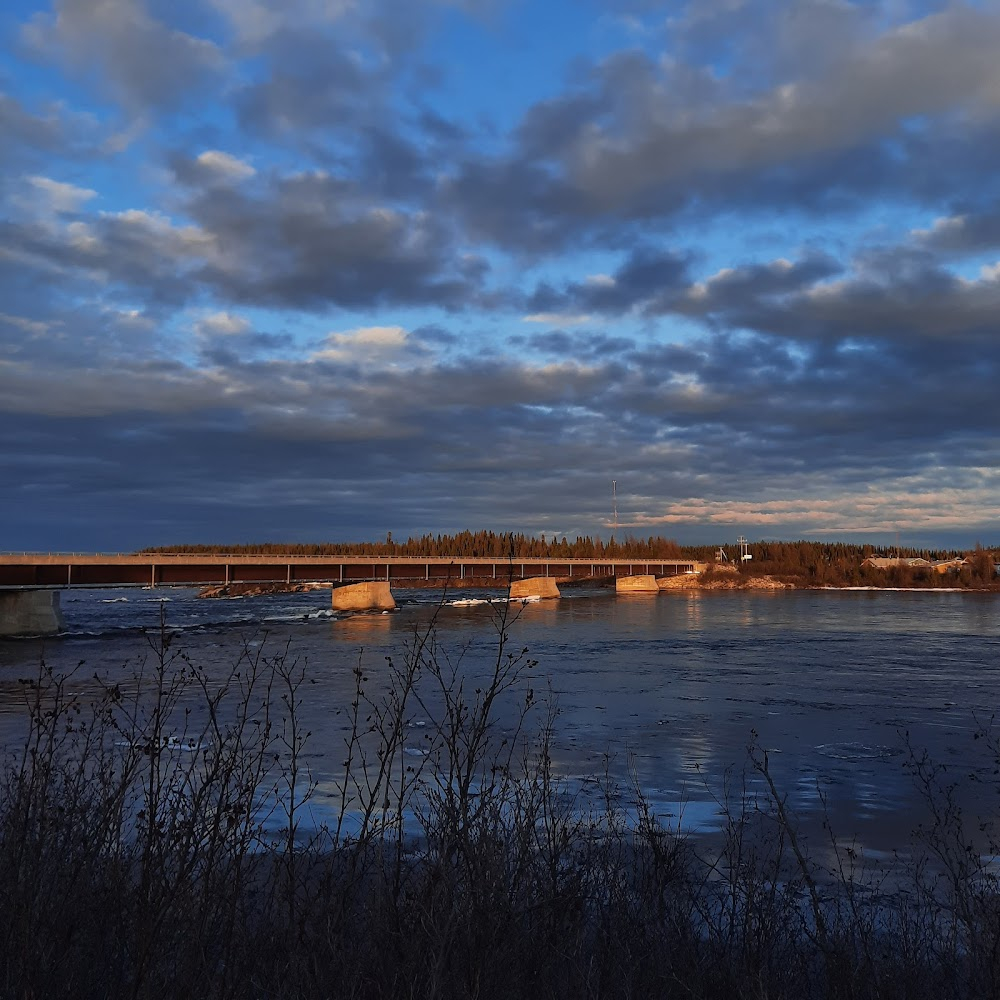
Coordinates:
column 49, row 197
column 223, row 324
column 308, row 242
column 224, row 165
column 890, row 297
column 647, row 277
column 41, row 133
column 209, row 169
column 556, row 319
column 304, row 242
column 918, row 504
column 254, row 21
column 33, row 327
column 963, row 234
column 741, row 258
column 644, row 138
column 366, row 344
column 730, row 419
column 343, row 78
column 144, row 62
column 733, row 287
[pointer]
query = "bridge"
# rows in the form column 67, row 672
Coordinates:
column 29, row 573
column 62, row 571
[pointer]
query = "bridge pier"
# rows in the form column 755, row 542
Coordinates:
column 636, row 585
column 30, row 612
column 374, row 595
column 535, row 586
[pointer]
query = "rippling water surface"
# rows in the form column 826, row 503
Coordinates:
column 669, row 689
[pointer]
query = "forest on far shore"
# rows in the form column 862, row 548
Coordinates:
column 802, row 562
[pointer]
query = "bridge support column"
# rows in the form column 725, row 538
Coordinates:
column 534, row 586
column 30, row 612
column 636, row 585
column 373, row 595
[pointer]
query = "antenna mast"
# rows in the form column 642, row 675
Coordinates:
column 614, row 502
column 744, row 549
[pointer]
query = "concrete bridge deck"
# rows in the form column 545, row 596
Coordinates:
column 62, row 571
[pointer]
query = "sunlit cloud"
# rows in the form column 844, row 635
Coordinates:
column 57, row 196
column 371, row 343
column 225, row 165
column 223, row 324
column 851, row 514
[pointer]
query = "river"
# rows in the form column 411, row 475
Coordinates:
column 666, row 690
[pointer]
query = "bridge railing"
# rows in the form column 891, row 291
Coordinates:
column 342, row 557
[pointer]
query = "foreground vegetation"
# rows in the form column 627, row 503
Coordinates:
column 156, row 841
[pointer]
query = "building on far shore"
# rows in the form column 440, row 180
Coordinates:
column 941, row 566
column 890, row 562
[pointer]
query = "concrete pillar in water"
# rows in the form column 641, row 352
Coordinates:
column 30, row 612
column 636, row 585
column 535, row 586
column 373, row 595
column 683, row 581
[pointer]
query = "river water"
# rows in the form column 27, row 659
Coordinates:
column 665, row 690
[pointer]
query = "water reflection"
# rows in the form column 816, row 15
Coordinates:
column 695, row 611
column 694, row 754
column 359, row 627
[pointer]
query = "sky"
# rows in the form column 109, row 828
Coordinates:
column 321, row 270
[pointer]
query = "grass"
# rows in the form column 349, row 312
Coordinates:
column 157, row 840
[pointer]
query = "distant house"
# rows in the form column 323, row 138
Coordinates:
column 890, row 562
column 943, row 566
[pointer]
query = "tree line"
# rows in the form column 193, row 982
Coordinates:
column 490, row 544
column 842, row 564
column 803, row 562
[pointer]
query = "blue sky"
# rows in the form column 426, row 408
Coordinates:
column 327, row 269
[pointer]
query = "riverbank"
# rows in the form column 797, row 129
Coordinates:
column 232, row 590
column 723, row 581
